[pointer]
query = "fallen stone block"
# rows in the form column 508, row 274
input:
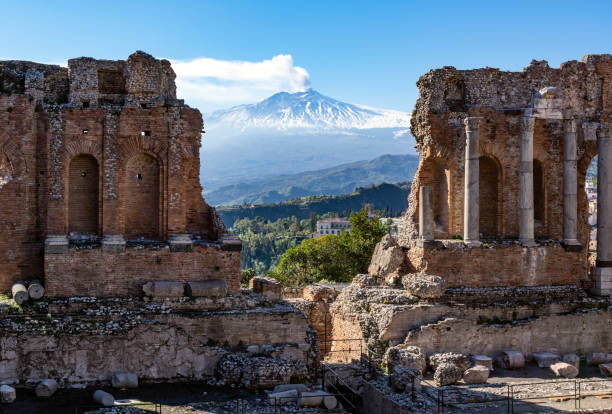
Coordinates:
column 424, row 286
column 364, row 280
column 402, row 378
column 103, row 398
column 563, row 369
column 462, row 361
column 299, row 388
column 405, row 355
column 7, row 394
column 329, row 401
column 310, row 399
column 597, row 358
column 606, row 369
column 20, row 292
column 164, row 289
column 512, row 360
column 36, row 289
column 283, row 397
column 483, row 360
column 266, row 286
column 572, row 359
column 388, row 257
column 546, row 359
column 207, row 288
column 124, row 380
column 478, row 374
column 46, row 388
column 447, row 374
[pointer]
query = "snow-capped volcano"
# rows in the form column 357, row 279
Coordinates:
column 308, row 110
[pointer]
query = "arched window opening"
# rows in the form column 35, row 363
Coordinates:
column 141, row 206
column 489, row 196
column 83, row 198
column 435, row 175
column 539, row 195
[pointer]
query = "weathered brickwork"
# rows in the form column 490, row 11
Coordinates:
column 447, row 97
column 101, row 149
column 123, row 274
column 501, row 265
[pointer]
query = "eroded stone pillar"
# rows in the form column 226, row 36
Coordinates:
column 426, row 221
column 603, row 270
column 471, row 212
column 570, row 185
column 526, row 235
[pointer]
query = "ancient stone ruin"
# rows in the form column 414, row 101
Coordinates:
column 101, row 202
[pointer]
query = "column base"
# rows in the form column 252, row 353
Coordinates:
column 56, row 244
column 572, row 245
column 180, row 243
column 230, row 243
column 429, row 244
column 113, row 243
column 473, row 243
column 528, row 243
column 602, row 281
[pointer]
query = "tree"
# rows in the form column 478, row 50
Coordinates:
column 332, row 257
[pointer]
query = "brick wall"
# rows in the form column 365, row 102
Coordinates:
column 505, row 264
column 89, row 272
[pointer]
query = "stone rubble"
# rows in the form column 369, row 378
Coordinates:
column 423, row 285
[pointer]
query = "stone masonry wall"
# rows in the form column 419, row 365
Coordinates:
column 163, row 346
column 123, row 274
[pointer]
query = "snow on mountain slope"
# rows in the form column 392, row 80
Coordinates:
column 308, row 110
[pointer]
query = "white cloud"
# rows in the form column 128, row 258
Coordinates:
column 211, row 84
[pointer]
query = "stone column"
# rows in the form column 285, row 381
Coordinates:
column 526, row 236
column 603, row 271
column 426, row 225
column 570, row 186
column 471, row 212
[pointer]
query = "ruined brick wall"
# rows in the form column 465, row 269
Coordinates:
column 504, row 264
column 121, row 118
column 123, row 274
column 448, row 95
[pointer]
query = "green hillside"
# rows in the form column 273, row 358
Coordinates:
column 389, row 197
column 341, row 179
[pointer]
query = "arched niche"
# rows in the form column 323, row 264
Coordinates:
column 490, row 196
column 141, row 197
column 83, row 195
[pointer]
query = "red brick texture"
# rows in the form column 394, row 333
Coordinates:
column 102, row 149
column 89, row 272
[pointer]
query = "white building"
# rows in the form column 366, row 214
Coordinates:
column 332, row 226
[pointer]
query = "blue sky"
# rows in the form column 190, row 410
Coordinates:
column 370, row 53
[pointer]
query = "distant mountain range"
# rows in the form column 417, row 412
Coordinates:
column 390, row 197
column 341, row 179
column 291, row 133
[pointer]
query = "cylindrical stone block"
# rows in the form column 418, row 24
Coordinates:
column 426, row 221
column 7, row 394
column 513, row 359
column 284, row 397
column 103, row 398
column 124, row 380
column 158, row 288
column 46, row 388
column 527, row 233
column 310, row 399
column 604, row 197
column 208, row 288
column 20, row 292
column 471, row 208
column 570, row 183
column 36, row 289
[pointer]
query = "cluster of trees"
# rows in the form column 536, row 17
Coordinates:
column 304, row 260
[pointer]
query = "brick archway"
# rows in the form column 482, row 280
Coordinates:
column 142, row 197
column 490, row 196
column 83, row 195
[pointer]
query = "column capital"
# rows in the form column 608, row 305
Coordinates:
column 570, row 125
column 527, row 123
column 604, row 131
column 471, row 123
